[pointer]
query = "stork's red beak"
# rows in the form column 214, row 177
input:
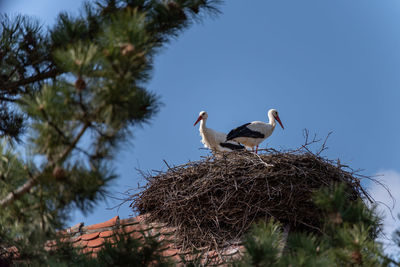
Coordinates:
column 279, row 120
column 198, row 119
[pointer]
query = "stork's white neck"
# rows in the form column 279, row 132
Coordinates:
column 203, row 124
column 272, row 120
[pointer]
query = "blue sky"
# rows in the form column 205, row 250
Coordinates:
column 324, row 65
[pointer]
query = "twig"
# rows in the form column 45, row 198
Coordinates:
column 323, row 146
column 263, row 162
column 166, row 163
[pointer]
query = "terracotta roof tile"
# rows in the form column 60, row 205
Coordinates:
column 112, row 240
column 129, row 221
column 96, row 243
column 81, row 244
column 170, row 252
column 11, row 252
column 166, row 237
column 131, row 228
column 136, row 235
column 91, row 239
column 109, row 223
column 86, row 250
column 75, row 239
column 97, row 249
column 91, row 236
column 108, row 233
column 51, row 243
column 65, row 239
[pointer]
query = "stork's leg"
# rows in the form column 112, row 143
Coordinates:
column 257, row 149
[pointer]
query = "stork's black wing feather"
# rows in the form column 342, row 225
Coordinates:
column 243, row 131
column 232, row 146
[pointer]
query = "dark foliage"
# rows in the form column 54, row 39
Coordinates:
column 346, row 238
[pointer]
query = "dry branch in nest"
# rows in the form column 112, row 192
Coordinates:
column 214, row 201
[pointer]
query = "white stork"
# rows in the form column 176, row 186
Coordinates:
column 253, row 133
column 214, row 140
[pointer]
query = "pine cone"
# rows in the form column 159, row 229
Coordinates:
column 127, row 48
column 357, row 257
column 78, row 62
column 58, row 173
column 80, row 84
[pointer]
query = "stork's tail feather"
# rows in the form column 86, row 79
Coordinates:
column 232, row 146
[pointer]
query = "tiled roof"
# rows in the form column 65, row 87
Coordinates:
column 91, row 239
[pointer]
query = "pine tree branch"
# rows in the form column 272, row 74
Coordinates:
column 41, row 76
column 12, row 196
column 73, row 144
column 19, row 192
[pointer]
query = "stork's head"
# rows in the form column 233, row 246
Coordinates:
column 273, row 113
column 202, row 116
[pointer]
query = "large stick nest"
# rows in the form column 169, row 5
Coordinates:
column 213, row 202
